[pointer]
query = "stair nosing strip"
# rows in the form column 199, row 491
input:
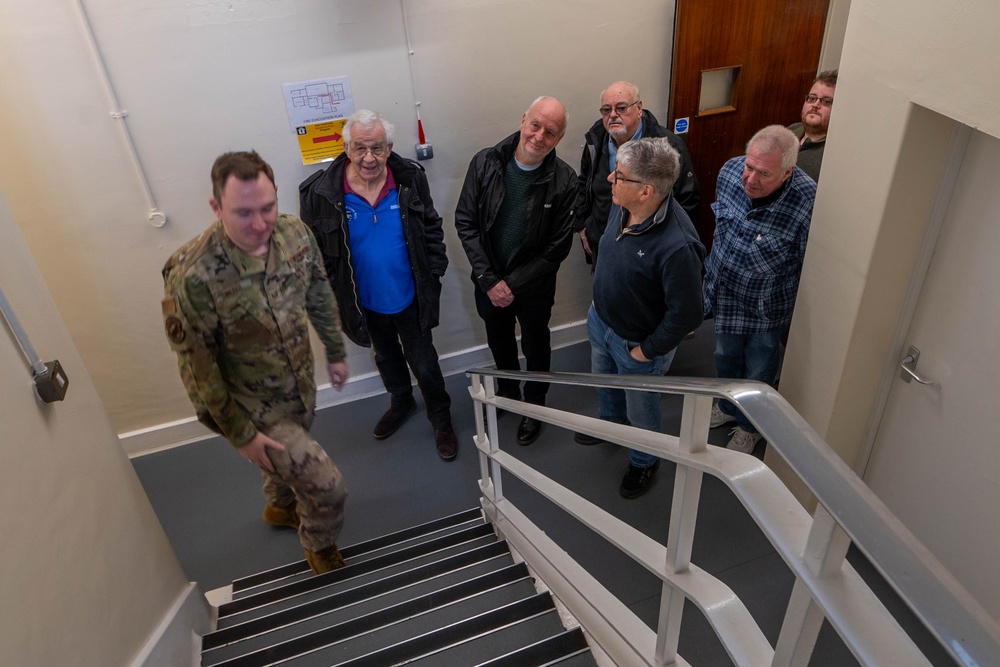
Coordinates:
column 279, row 652
column 247, row 629
column 247, row 583
column 365, row 567
column 543, row 598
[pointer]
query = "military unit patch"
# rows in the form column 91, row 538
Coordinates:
column 175, row 329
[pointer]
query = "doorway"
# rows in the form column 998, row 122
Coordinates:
column 737, row 67
column 935, row 461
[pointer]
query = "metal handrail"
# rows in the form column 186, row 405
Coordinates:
column 950, row 613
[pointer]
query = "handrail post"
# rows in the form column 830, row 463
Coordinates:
column 693, row 438
column 824, row 554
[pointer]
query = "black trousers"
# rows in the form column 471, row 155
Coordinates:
column 399, row 342
column 535, row 343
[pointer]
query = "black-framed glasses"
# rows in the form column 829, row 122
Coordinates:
column 619, row 177
column 359, row 151
column 825, row 101
column 619, row 108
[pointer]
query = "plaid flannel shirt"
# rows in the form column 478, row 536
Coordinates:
column 752, row 273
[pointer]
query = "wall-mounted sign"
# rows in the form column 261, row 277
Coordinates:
column 318, row 101
column 321, row 142
column 681, row 126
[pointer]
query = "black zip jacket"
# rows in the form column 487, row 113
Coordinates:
column 548, row 222
column 321, row 206
column 594, row 199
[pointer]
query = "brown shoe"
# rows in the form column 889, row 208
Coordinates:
column 447, row 443
column 392, row 420
column 327, row 560
column 281, row 516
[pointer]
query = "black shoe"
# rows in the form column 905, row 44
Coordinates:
column 528, row 430
column 446, row 442
column 637, row 480
column 392, row 420
column 584, row 439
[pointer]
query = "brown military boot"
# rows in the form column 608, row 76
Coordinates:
column 281, row 516
column 326, row 560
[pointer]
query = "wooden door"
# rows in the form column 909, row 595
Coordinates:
column 771, row 48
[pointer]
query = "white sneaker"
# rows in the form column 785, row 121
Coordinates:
column 719, row 417
column 743, row 441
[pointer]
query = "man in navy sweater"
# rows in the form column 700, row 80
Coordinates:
column 647, row 292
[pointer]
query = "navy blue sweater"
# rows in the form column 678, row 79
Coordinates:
column 647, row 286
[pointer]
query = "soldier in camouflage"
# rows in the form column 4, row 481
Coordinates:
column 236, row 306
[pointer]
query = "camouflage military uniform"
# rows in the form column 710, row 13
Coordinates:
column 238, row 326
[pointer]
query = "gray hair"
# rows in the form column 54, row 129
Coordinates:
column 542, row 98
column 632, row 88
column 368, row 119
column 777, row 138
column 652, row 160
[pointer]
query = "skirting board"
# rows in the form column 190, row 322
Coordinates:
column 186, row 431
column 177, row 640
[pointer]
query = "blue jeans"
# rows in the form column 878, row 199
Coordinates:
column 610, row 354
column 746, row 357
column 400, row 345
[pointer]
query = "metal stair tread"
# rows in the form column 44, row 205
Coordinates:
column 224, row 645
column 372, row 632
column 254, row 583
column 353, row 570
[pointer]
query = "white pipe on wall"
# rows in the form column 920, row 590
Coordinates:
column 156, row 217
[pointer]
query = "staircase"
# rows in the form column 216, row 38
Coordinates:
column 447, row 592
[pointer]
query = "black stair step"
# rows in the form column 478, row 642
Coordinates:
column 361, row 579
column 241, row 586
column 489, row 633
column 353, row 570
column 361, row 636
column 557, row 649
column 358, row 602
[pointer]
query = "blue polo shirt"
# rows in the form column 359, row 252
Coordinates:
column 378, row 250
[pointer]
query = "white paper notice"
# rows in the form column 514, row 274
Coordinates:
column 318, row 101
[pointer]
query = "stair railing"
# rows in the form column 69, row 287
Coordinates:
column 814, row 547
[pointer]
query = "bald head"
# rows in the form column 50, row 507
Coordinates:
column 542, row 126
column 621, row 110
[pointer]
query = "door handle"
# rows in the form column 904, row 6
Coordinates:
column 909, row 365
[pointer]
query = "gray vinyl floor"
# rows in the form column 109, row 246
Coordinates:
column 209, row 502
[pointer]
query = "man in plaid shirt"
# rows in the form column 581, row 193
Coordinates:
column 762, row 211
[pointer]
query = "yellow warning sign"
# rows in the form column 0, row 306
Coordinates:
column 321, row 142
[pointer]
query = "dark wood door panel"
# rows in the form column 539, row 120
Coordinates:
column 776, row 46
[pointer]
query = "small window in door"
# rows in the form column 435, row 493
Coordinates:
column 717, row 90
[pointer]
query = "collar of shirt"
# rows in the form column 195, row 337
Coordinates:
column 613, row 150
column 390, row 185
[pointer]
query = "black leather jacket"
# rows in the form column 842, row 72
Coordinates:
column 321, row 206
column 548, row 222
column 594, row 199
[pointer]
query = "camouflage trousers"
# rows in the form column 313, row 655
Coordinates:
column 307, row 479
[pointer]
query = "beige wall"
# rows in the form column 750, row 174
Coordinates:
column 908, row 73
column 88, row 575
column 201, row 78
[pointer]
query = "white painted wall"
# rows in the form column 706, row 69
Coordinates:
column 200, row 77
column 88, row 575
column 909, row 71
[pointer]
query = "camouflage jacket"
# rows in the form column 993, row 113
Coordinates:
column 238, row 326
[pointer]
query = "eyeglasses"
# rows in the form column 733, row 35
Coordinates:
column 619, row 177
column 825, row 101
column 358, row 151
column 619, row 108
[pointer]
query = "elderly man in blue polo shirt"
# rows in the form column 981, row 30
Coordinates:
column 383, row 245
column 762, row 211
